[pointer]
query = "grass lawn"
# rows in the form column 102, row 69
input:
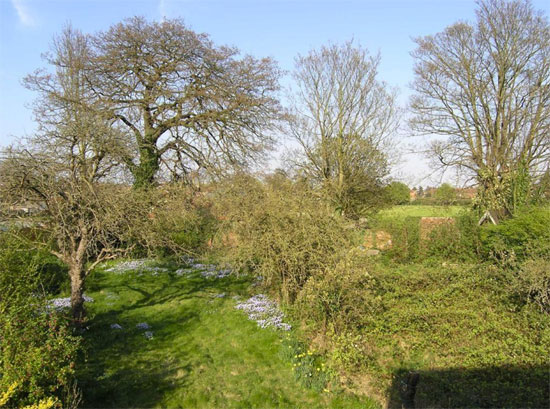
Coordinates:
column 204, row 352
column 401, row 212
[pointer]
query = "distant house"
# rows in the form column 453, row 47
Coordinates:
column 412, row 195
column 430, row 191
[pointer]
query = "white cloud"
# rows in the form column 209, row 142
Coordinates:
column 23, row 12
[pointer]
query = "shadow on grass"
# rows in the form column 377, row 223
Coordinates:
column 123, row 369
column 492, row 387
column 172, row 288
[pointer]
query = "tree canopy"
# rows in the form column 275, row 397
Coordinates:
column 398, row 193
column 445, row 194
column 485, row 87
column 343, row 120
column 182, row 101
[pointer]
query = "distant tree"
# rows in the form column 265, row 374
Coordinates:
column 398, row 193
column 445, row 194
column 183, row 102
column 343, row 118
column 420, row 191
column 485, row 87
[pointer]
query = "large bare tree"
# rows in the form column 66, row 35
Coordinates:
column 485, row 87
column 184, row 101
column 343, row 119
column 67, row 168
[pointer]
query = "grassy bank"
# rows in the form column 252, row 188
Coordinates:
column 459, row 327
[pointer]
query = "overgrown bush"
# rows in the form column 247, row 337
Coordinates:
column 457, row 242
column 37, row 351
column 526, row 235
column 533, row 282
column 405, row 235
column 52, row 274
column 341, row 296
column 179, row 221
column 280, row 231
column 458, row 328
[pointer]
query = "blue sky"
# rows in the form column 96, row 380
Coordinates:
column 277, row 28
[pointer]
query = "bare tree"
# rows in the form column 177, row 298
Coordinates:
column 485, row 87
column 183, row 100
column 64, row 167
column 343, row 119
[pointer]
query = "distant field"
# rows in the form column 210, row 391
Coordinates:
column 421, row 211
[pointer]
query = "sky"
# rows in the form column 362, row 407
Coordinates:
column 281, row 29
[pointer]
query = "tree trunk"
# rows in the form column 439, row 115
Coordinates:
column 149, row 163
column 76, row 272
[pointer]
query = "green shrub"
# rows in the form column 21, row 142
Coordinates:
column 192, row 230
column 37, row 351
column 445, row 194
column 405, row 234
column 533, row 282
column 526, row 235
column 48, row 275
column 458, row 318
column 452, row 242
column 179, row 221
column 456, row 242
column 397, row 193
column 53, row 275
column 346, row 350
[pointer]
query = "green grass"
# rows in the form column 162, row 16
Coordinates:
column 204, row 353
column 401, row 212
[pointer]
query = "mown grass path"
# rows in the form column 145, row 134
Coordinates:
column 204, row 352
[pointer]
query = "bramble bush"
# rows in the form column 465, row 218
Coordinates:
column 405, row 237
column 283, row 232
column 456, row 242
column 532, row 282
column 179, row 222
column 340, row 297
column 37, row 350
